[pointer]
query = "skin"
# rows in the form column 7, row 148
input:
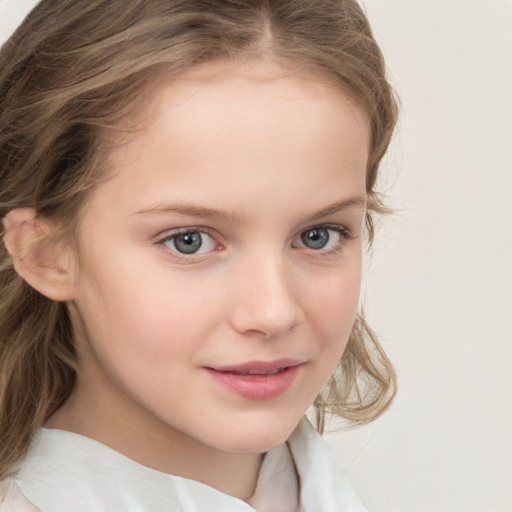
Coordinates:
column 253, row 156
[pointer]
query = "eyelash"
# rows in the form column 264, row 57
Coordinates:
column 343, row 233
column 344, row 236
column 183, row 231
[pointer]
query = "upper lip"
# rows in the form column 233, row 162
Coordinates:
column 258, row 367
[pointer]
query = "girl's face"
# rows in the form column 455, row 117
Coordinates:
column 220, row 265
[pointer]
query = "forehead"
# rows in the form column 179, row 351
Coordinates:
column 210, row 85
column 252, row 129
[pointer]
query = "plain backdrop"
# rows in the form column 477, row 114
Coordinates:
column 438, row 287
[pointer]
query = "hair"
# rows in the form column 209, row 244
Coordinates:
column 76, row 67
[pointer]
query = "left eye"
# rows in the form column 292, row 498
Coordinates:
column 190, row 242
column 319, row 238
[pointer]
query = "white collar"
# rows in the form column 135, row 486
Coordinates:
column 65, row 471
column 324, row 486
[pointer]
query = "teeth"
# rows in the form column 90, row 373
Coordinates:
column 254, row 372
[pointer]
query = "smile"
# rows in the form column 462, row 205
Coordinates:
column 257, row 380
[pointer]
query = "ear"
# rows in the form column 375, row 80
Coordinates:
column 41, row 259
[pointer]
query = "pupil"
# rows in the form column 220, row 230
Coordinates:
column 188, row 243
column 315, row 238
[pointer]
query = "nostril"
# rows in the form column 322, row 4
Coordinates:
column 264, row 323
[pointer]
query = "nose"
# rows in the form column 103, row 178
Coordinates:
column 266, row 301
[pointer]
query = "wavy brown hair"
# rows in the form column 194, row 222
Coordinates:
column 76, row 67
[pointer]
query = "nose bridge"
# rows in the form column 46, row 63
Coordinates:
column 266, row 301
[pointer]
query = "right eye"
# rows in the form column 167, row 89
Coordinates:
column 189, row 242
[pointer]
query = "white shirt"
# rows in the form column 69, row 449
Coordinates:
column 67, row 472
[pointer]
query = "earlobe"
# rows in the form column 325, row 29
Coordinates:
column 39, row 257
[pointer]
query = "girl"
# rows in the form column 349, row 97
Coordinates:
column 183, row 188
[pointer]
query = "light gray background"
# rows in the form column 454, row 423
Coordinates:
column 439, row 287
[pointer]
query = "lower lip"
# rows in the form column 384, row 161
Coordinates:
column 256, row 387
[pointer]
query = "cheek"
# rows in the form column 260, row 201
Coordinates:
column 330, row 313
column 333, row 305
column 149, row 314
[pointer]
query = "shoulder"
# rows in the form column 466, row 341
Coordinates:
column 12, row 500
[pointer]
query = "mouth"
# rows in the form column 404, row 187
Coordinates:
column 259, row 367
column 257, row 380
column 258, row 372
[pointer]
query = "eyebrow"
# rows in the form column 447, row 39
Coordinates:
column 192, row 210
column 339, row 206
column 235, row 216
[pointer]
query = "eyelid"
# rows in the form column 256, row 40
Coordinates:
column 343, row 232
column 169, row 233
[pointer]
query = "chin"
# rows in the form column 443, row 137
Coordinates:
column 258, row 436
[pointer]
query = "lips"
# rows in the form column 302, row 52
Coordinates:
column 257, row 380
